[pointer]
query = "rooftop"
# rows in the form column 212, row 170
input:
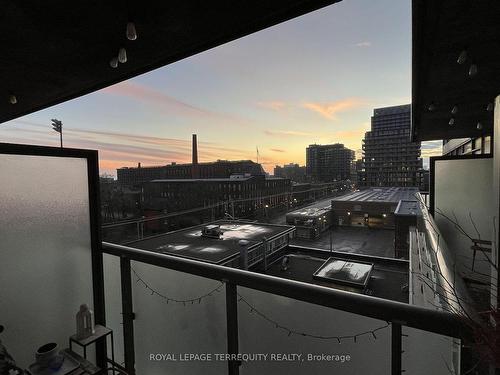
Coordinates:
column 386, row 280
column 381, row 194
column 407, row 208
column 315, row 209
column 189, row 243
column 174, row 164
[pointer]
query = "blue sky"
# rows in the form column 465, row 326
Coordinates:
column 314, row 79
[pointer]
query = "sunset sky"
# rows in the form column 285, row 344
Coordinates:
column 314, row 79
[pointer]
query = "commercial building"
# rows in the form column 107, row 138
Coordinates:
column 328, row 163
column 238, row 195
column 390, row 157
column 312, row 220
column 373, row 207
column 292, row 171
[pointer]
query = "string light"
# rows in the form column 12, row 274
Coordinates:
column 255, row 311
column 175, row 300
column 291, row 331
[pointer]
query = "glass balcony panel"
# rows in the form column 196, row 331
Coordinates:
column 257, row 335
column 196, row 327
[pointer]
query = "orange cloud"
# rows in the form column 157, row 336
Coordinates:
column 329, row 110
column 277, row 150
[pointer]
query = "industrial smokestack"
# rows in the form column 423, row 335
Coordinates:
column 194, row 166
column 195, row 150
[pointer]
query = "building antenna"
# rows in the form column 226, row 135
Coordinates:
column 257, row 148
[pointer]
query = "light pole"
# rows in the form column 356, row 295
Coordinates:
column 57, row 126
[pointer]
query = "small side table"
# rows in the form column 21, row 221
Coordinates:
column 100, row 333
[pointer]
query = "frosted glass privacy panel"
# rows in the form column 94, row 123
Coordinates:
column 463, row 194
column 45, row 253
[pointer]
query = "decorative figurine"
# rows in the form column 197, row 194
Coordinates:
column 84, row 322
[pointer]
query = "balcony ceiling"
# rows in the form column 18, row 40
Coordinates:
column 54, row 50
column 441, row 30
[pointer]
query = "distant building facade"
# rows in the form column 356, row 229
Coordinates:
column 249, row 192
column 294, row 172
column 389, row 156
column 467, row 146
column 327, row 163
column 216, row 169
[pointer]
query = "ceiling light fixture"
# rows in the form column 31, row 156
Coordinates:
column 452, row 121
column 479, row 126
column 489, row 107
column 114, row 62
column 12, row 99
column 431, row 107
column 472, row 70
column 454, row 110
column 131, row 32
column 122, row 55
column 462, row 57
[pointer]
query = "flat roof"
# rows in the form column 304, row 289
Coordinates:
column 380, row 194
column 315, row 209
column 408, row 208
column 387, row 277
column 226, row 179
column 189, row 243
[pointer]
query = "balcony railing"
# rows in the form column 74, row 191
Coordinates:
column 362, row 312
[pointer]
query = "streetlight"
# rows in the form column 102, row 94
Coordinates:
column 57, row 126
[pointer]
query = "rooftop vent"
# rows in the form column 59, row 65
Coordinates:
column 211, row 231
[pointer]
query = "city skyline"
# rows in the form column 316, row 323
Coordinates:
column 314, row 79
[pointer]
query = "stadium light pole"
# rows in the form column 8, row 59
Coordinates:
column 57, row 126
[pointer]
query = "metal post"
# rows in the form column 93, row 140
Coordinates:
column 232, row 327
column 264, row 252
column 128, row 315
column 396, row 349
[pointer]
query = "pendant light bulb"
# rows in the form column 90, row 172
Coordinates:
column 131, row 32
column 472, row 70
column 451, row 122
column 489, row 107
column 114, row 62
column 454, row 110
column 12, row 99
column 462, row 57
column 122, row 55
column 479, row 126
